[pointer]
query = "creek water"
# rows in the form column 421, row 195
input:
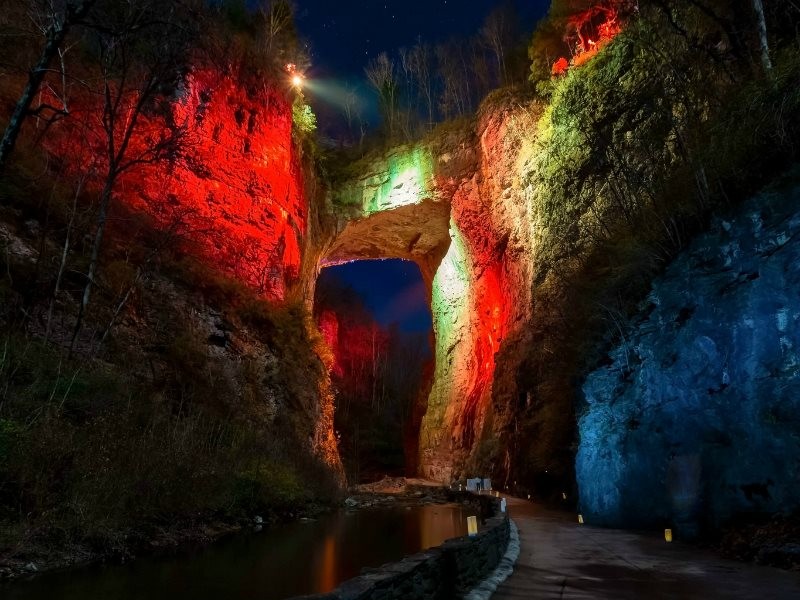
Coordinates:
column 288, row 560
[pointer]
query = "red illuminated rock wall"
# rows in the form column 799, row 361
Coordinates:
column 246, row 180
column 479, row 358
column 232, row 196
column 234, row 193
column 357, row 345
column 589, row 30
column 328, row 324
column 377, row 373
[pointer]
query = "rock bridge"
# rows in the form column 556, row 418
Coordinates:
column 455, row 206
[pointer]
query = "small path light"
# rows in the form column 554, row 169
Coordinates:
column 472, row 526
column 668, row 535
column 563, row 495
column 580, row 519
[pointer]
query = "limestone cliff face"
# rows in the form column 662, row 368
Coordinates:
column 240, row 200
column 695, row 418
column 234, row 193
column 456, row 205
column 483, row 304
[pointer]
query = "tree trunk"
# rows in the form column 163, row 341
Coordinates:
column 63, row 263
column 55, row 36
column 105, row 201
column 761, row 21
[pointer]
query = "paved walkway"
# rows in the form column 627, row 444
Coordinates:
column 561, row 559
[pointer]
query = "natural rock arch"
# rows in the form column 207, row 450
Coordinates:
column 419, row 233
column 454, row 206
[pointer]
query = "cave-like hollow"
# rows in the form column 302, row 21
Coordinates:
column 412, row 239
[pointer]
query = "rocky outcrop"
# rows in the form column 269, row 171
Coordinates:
column 233, row 193
column 241, row 200
column 237, row 198
column 398, row 205
column 695, row 417
column 481, row 302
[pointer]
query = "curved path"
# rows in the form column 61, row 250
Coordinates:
column 561, row 559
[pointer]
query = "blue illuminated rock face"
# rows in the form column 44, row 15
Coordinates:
column 697, row 417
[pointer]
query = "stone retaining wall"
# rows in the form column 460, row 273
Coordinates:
column 442, row 573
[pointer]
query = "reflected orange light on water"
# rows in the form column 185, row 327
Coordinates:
column 328, row 569
column 438, row 525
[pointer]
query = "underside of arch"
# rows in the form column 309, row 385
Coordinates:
column 417, row 232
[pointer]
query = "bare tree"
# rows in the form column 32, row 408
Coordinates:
column 480, row 67
column 420, row 59
column 353, row 113
column 497, row 33
column 453, row 80
column 278, row 18
column 381, row 73
column 65, row 250
column 349, row 105
column 408, row 95
column 59, row 20
column 141, row 53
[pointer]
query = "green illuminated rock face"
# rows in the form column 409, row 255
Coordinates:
column 451, row 301
column 398, row 205
column 407, row 180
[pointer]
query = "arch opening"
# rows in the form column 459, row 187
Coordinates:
column 417, row 238
column 376, row 318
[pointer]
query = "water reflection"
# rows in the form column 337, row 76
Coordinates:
column 295, row 559
column 437, row 524
column 327, row 574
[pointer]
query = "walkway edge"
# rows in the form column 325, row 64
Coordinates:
column 485, row 589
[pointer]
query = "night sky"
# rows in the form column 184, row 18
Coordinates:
column 392, row 290
column 343, row 36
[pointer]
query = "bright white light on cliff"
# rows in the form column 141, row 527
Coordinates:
column 297, row 81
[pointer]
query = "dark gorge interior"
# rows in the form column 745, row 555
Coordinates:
column 381, row 340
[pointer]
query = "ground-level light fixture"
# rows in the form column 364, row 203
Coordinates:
column 472, row 526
